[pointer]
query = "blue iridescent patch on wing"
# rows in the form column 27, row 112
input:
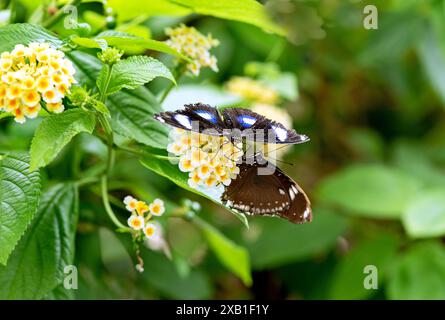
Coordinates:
column 206, row 115
column 246, row 121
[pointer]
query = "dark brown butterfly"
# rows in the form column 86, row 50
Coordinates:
column 271, row 195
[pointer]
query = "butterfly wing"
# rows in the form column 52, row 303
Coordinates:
column 244, row 119
column 273, row 195
column 196, row 117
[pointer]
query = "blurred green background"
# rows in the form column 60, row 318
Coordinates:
column 372, row 102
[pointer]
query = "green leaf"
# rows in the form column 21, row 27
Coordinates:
column 132, row 111
column 369, row 190
column 36, row 266
column 419, row 273
column 60, row 293
column 275, row 242
column 425, row 216
column 433, row 60
column 55, row 132
column 19, row 198
column 129, row 9
column 132, row 116
column 130, row 44
column 90, row 43
column 161, row 274
column 348, row 277
column 171, row 171
column 233, row 256
column 131, row 73
column 87, row 67
column 24, row 33
column 247, row 11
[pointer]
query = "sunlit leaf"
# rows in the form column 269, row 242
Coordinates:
column 425, row 216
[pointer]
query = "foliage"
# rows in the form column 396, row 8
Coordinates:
column 372, row 102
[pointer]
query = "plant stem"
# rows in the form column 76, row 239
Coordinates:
column 106, row 202
column 110, row 159
column 60, row 13
column 177, row 74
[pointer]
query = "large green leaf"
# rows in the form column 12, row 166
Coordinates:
column 425, row 216
column 131, row 73
column 419, row 273
column 233, row 256
column 36, row 266
column 19, row 198
column 24, row 33
column 274, row 242
column 129, row 43
column 132, row 116
column 171, row 171
column 129, row 9
column 247, row 11
column 55, row 132
column 349, row 275
column 369, row 190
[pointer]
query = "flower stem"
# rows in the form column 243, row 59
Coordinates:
column 106, row 202
column 63, row 11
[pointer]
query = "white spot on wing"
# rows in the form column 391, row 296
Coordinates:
column 204, row 114
column 280, row 132
column 249, row 120
column 183, row 120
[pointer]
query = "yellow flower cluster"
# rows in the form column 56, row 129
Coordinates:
column 252, row 90
column 193, row 44
column 211, row 161
column 30, row 74
column 141, row 213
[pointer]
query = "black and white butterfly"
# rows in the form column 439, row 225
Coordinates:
column 274, row 194
column 248, row 124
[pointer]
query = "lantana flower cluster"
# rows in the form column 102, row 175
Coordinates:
column 141, row 214
column 211, row 161
column 193, row 44
column 252, row 90
column 32, row 74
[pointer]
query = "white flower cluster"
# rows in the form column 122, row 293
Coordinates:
column 30, row 74
column 193, row 44
column 211, row 161
column 141, row 213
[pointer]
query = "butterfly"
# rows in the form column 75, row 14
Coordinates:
column 273, row 194
column 247, row 124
